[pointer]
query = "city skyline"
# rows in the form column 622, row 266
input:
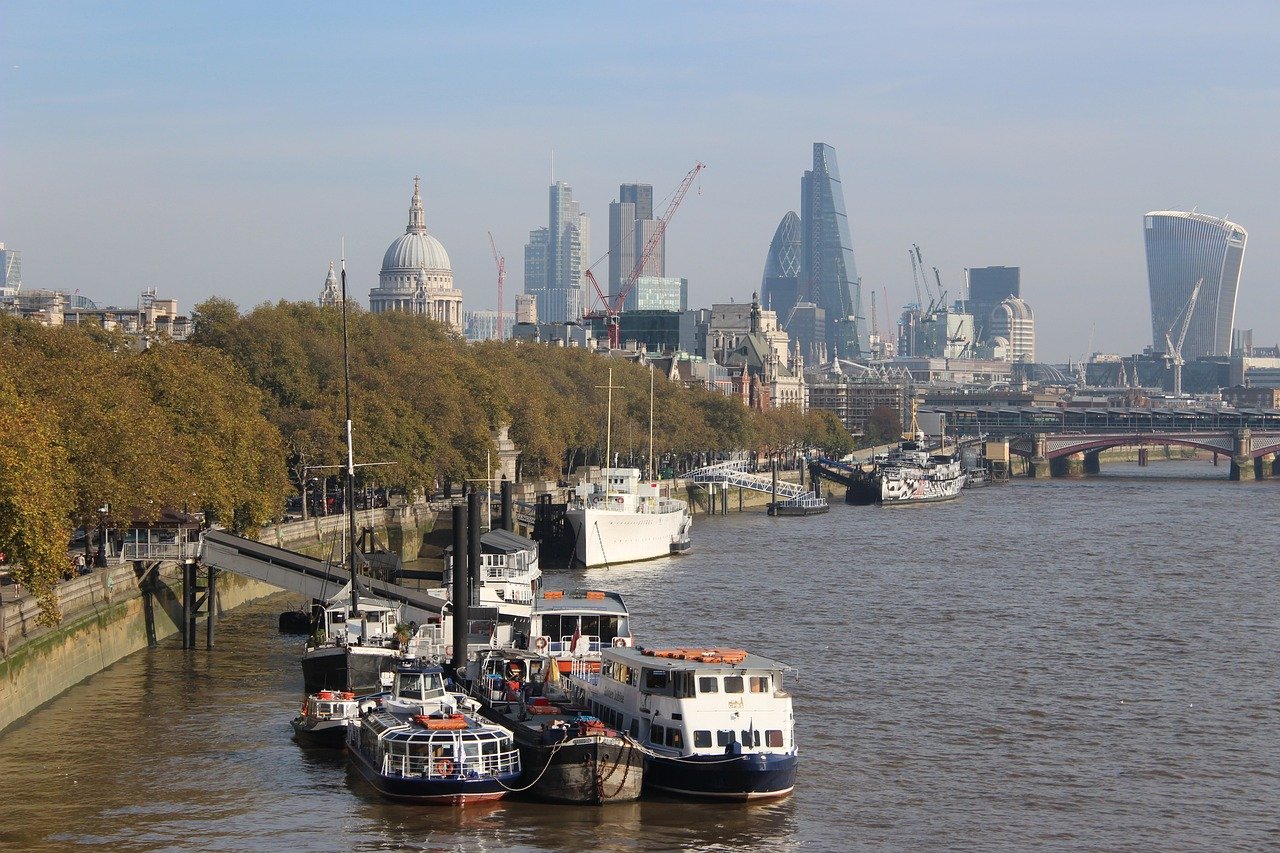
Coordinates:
column 206, row 153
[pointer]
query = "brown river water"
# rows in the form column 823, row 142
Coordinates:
column 1064, row 664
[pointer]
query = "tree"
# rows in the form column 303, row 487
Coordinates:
column 883, row 424
column 34, row 500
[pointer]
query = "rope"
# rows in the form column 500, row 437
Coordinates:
column 541, row 773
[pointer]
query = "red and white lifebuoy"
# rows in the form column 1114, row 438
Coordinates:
column 541, row 644
column 619, row 642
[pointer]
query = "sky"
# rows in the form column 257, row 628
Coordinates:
column 228, row 149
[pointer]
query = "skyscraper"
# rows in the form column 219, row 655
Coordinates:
column 631, row 226
column 828, row 276
column 988, row 287
column 10, row 271
column 1183, row 248
column 780, row 283
column 553, row 259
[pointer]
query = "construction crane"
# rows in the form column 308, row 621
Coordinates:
column 614, row 308
column 501, row 263
column 1173, row 350
column 915, row 275
column 876, row 350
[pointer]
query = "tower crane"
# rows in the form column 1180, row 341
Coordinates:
column 1173, row 350
column 614, row 308
column 501, row 263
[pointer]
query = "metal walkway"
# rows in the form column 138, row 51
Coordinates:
column 305, row 575
column 732, row 474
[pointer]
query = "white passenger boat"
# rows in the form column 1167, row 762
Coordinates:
column 625, row 519
column 715, row 723
column 423, row 744
column 574, row 628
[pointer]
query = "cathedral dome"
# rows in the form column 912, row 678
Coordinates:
column 415, row 249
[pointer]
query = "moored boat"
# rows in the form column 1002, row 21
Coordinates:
column 324, row 717
column 568, row 755
column 715, row 723
column 572, row 628
column 908, row 473
column 423, row 744
column 625, row 520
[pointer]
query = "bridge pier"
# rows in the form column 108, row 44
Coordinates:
column 1038, row 467
column 1093, row 462
column 1242, row 465
column 1071, row 465
column 1265, row 466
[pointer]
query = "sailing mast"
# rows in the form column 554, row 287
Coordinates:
column 351, row 466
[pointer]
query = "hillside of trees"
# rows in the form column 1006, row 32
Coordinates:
column 235, row 420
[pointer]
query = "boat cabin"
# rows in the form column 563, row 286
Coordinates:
column 582, row 623
column 509, row 575
column 694, row 701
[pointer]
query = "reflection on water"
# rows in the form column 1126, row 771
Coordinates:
column 1087, row 663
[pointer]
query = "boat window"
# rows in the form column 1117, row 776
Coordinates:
column 750, row 738
column 411, row 686
column 682, row 681
column 733, row 684
column 724, row 737
column 759, row 684
column 773, row 737
column 590, row 626
column 635, row 729
column 708, row 684
column 675, row 737
column 656, row 680
column 657, row 734
column 608, row 628
column 702, row 739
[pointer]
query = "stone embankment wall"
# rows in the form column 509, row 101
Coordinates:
column 105, row 614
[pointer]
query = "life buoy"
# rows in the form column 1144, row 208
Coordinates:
column 619, row 642
column 448, row 651
column 444, row 767
column 541, row 643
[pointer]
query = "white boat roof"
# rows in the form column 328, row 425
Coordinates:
column 577, row 602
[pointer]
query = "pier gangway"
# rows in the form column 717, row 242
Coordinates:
column 316, row 579
column 842, row 473
column 733, row 473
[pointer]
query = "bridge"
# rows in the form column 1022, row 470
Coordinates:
column 1060, row 441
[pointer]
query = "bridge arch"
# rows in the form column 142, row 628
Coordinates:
column 1087, row 443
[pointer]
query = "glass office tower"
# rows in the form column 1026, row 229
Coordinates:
column 1183, row 248
column 828, row 276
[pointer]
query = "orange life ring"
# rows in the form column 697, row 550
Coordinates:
column 444, row 767
column 541, row 643
column 348, row 696
column 448, row 651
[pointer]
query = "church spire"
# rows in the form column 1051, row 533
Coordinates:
column 417, row 219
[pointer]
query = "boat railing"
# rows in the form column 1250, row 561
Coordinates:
column 581, row 668
column 446, row 767
column 565, row 645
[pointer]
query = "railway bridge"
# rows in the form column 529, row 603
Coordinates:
column 1060, row 441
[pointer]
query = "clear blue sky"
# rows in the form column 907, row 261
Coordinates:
column 225, row 148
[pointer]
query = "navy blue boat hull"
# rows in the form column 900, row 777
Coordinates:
column 723, row 777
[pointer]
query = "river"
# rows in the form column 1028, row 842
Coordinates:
column 1071, row 663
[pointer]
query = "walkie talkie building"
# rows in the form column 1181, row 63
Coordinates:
column 1183, row 248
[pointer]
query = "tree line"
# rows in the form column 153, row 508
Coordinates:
column 238, row 417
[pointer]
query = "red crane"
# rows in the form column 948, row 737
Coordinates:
column 612, row 310
column 501, row 263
